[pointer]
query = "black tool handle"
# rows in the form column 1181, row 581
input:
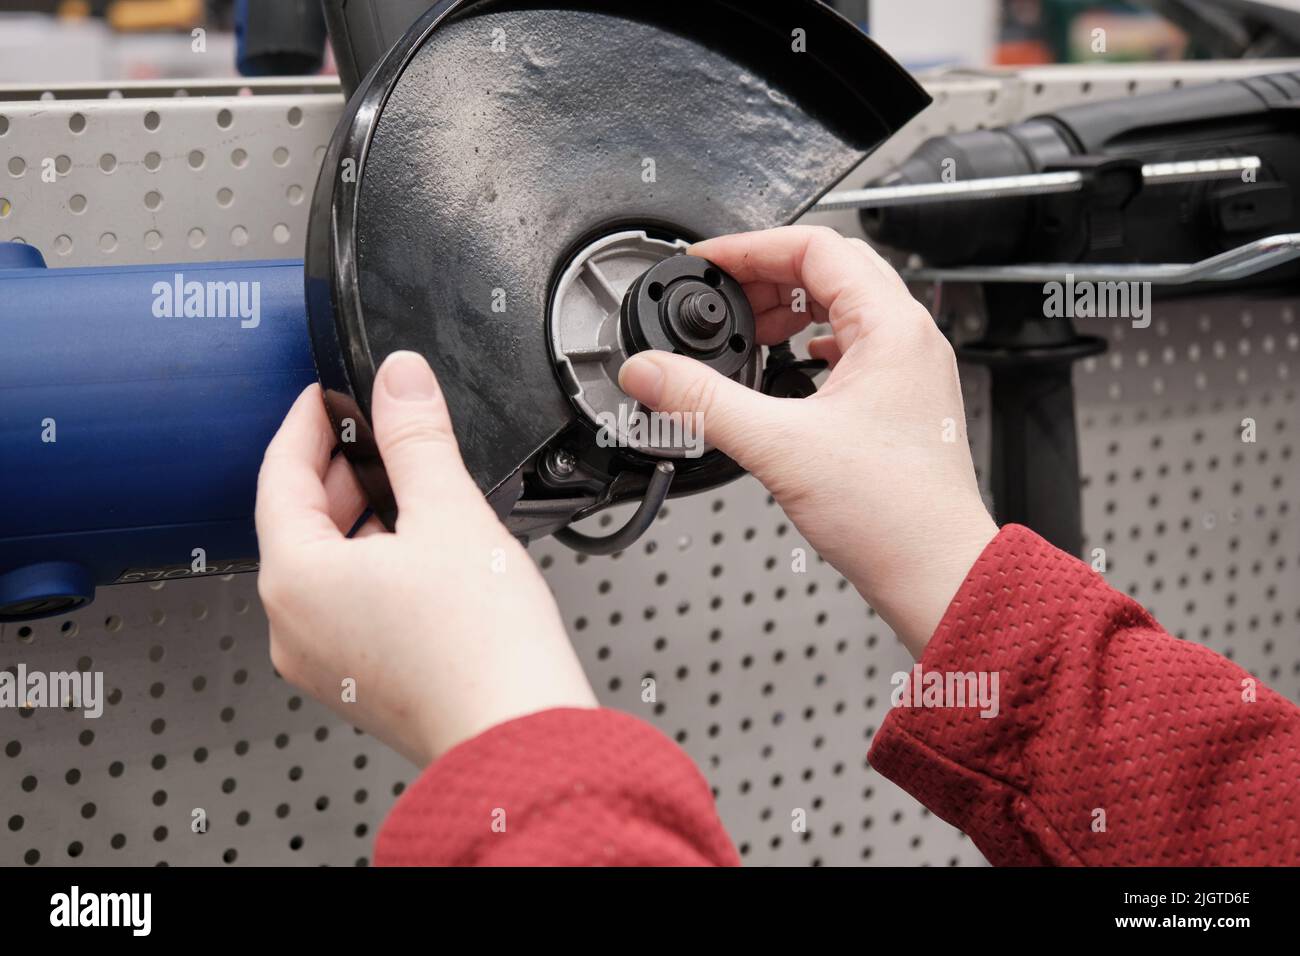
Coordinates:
column 279, row 37
column 1035, row 459
column 1034, row 465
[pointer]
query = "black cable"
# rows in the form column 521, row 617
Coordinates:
column 655, row 495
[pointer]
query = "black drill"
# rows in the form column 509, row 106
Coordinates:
column 1116, row 217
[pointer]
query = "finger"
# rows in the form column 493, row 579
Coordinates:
column 762, row 295
column 770, row 304
column 784, row 322
column 883, row 266
column 825, row 349
column 372, row 526
column 739, row 421
column 414, row 432
column 778, row 324
column 848, row 279
column 781, row 311
column 774, row 256
column 347, row 502
column 292, row 506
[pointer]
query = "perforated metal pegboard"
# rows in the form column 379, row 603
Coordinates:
column 774, row 681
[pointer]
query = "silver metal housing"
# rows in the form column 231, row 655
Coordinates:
column 587, row 341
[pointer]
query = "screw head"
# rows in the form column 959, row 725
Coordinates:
column 563, row 463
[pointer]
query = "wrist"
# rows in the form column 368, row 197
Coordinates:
column 912, row 589
column 521, row 668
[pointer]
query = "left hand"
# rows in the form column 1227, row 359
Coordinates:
column 443, row 628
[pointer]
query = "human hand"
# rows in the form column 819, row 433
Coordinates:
column 874, row 470
column 445, row 626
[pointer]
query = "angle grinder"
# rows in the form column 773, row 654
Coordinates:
column 509, row 192
column 526, row 182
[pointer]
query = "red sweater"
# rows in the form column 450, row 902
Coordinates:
column 1192, row 761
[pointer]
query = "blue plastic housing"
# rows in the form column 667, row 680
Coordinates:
column 130, row 439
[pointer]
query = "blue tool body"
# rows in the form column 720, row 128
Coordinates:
column 135, row 406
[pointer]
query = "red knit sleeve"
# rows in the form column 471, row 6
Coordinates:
column 1113, row 743
column 559, row 788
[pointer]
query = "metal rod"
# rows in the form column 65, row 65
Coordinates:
column 1036, row 184
column 1240, row 263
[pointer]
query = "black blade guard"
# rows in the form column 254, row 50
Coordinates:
column 498, row 138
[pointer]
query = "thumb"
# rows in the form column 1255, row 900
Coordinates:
column 415, row 438
column 736, row 420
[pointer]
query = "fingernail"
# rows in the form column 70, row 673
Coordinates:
column 406, row 376
column 642, row 378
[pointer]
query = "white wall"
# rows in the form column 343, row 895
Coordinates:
column 924, row 33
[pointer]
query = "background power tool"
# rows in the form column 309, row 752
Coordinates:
column 1186, row 176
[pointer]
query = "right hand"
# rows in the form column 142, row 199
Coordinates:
column 874, row 470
